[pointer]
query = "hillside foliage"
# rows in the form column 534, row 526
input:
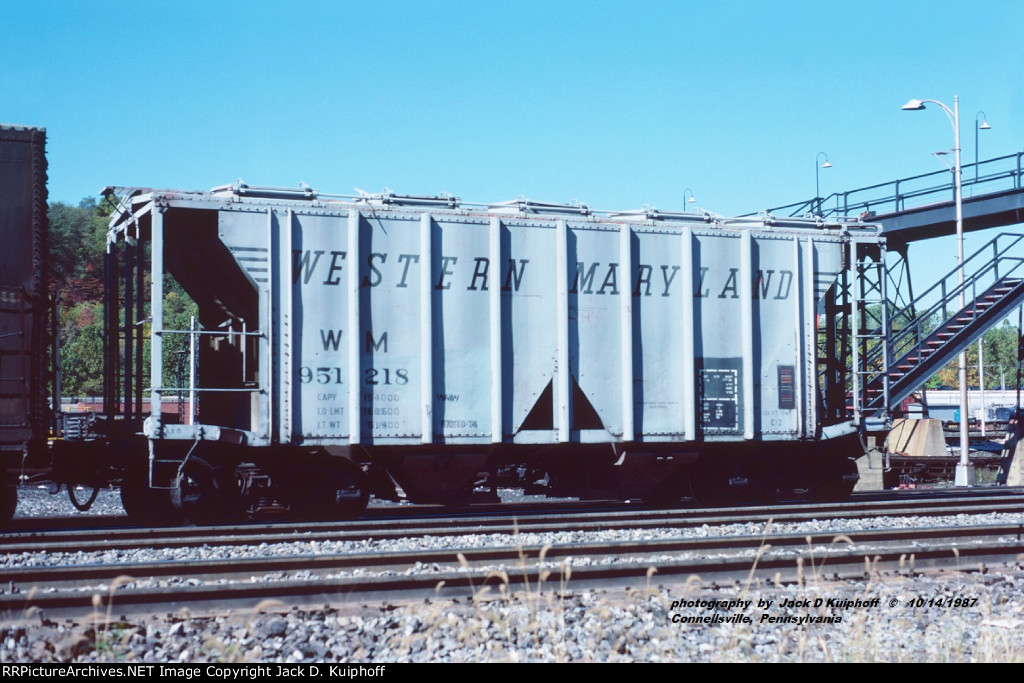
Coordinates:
column 78, row 243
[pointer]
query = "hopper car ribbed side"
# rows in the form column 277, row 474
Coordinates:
column 423, row 348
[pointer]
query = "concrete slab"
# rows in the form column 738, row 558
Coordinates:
column 870, row 469
column 919, row 438
column 1011, row 469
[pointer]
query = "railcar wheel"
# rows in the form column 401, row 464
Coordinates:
column 145, row 505
column 838, row 482
column 722, row 484
column 132, row 499
column 8, row 503
column 340, row 494
column 670, row 491
column 207, row 494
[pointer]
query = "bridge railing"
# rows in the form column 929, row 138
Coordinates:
column 998, row 259
column 988, row 176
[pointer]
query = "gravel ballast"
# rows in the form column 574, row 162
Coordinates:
column 551, row 625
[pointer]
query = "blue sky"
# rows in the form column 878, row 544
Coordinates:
column 615, row 104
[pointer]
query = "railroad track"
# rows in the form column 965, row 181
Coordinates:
column 424, row 519
column 771, row 558
column 324, row 565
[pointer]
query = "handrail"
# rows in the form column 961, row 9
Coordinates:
column 995, row 170
column 913, row 319
column 984, row 270
column 915, row 341
column 997, row 254
column 916, row 325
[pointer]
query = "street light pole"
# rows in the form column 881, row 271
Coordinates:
column 817, row 184
column 964, row 469
column 984, row 126
column 981, row 381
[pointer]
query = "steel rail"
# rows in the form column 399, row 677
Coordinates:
column 455, row 525
column 770, row 557
column 187, row 537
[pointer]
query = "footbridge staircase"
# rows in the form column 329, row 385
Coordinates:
column 896, row 349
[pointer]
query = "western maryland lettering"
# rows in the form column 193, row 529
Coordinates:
column 326, row 268
column 762, row 285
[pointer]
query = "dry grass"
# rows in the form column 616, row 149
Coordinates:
column 548, row 619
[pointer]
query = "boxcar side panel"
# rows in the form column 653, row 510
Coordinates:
column 23, row 228
column 598, row 273
column 319, row 289
column 461, row 388
column 777, row 333
column 530, row 343
column 662, row 320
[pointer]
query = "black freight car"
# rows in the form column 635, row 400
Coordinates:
column 24, row 415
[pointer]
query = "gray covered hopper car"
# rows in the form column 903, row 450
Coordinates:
column 419, row 347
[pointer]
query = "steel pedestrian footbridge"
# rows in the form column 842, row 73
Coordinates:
column 903, row 343
column 922, row 207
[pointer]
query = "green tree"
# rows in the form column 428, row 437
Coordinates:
column 178, row 312
column 81, row 359
column 77, row 244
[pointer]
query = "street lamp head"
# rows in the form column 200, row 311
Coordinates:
column 817, row 182
column 913, row 105
column 984, row 125
column 691, row 200
column 941, row 156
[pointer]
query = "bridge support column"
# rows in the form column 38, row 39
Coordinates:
column 964, row 475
